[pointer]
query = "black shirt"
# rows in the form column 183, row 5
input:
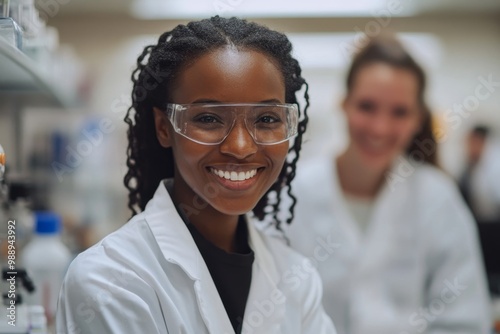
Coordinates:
column 231, row 272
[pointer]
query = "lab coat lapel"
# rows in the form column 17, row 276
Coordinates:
column 348, row 227
column 389, row 203
column 262, row 313
column 177, row 246
column 390, row 213
column 212, row 309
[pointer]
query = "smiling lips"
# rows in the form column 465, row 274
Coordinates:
column 376, row 147
column 233, row 175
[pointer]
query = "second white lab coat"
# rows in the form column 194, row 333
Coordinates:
column 416, row 269
column 149, row 277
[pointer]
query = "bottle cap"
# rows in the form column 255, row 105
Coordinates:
column 47, row 222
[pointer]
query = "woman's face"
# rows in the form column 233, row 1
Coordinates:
column 383, row 113
column 226, row 75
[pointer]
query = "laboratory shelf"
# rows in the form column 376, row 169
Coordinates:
column 23, row 82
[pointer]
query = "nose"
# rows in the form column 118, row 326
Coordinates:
column 239, row 143
column 381, row 124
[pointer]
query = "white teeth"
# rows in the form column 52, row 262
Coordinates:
column 234, row 176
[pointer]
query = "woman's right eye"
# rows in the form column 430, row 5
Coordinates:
column 207, row 119
column 367, row 106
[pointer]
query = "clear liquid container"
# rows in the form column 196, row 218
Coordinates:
column 46, row 260
column 11, row 32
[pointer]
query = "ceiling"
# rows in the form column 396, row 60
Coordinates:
column 161, row 9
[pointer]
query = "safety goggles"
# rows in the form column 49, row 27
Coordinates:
column 210, row 124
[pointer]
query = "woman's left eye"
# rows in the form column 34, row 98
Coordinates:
column 268, row 119
column 400, row 112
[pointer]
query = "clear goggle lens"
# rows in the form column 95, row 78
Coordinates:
column 210, row 124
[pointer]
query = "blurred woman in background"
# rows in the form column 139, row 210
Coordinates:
column 395, row 245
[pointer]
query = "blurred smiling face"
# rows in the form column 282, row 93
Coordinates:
column 226, row 75
column 383, row 113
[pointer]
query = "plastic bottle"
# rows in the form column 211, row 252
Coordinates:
column 38, row 322
column 46, row 260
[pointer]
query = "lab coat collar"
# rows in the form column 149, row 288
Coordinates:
column 178, row 246
column 348, row 227
column 172, row 234
column 367, row 245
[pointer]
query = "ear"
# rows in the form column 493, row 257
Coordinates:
column 162, row 127
column 343, row 103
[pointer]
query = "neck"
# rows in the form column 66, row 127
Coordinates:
column 219, row 229
column 356, row 178
column 216, row 227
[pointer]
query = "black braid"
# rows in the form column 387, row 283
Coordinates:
column 147, row 161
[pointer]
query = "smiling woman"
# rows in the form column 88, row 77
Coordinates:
column 213, row 119
column 225, row 75
column 404, row 242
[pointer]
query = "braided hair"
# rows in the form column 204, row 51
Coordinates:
column 147, row 161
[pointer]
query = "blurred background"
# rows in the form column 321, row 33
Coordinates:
column 65, row 87
column 85, row 75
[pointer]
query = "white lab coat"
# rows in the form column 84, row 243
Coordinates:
column 416, row 269
column 149, row 277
